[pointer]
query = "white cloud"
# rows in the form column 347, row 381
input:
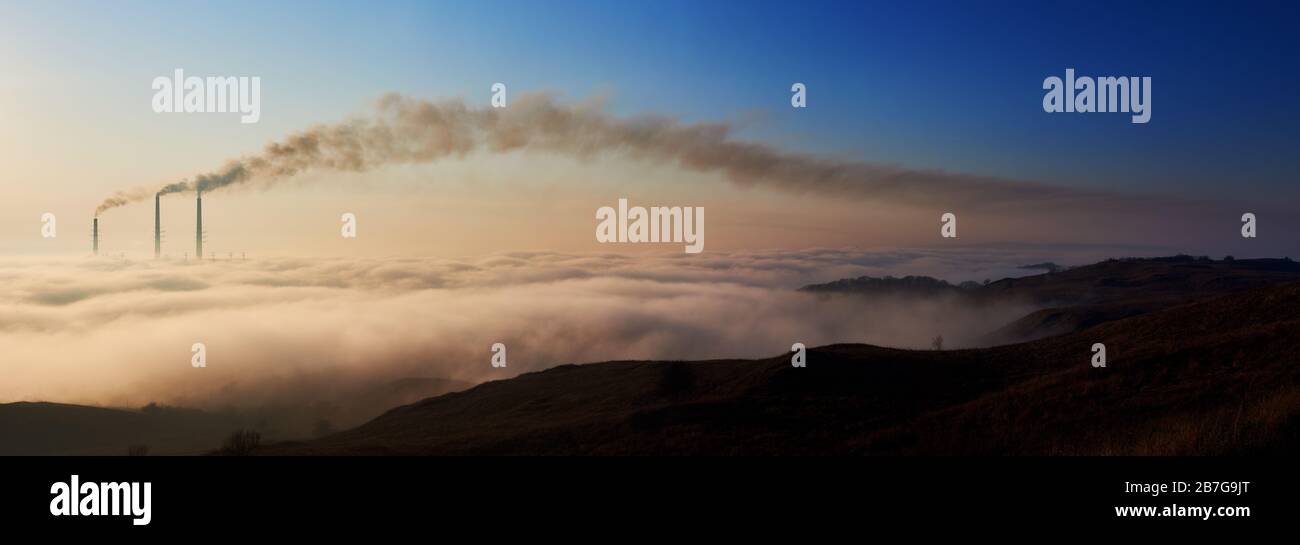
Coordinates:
column 119, row 332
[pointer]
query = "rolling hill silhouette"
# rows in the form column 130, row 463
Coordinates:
column 1218, row 376
column 1081, row 297
column 61, row 429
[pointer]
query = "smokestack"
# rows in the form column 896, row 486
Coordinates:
column 94, row 236
column 157, row 229
column 198, row 225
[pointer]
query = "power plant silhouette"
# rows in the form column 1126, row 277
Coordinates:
column 157, row 227
column 198, row 225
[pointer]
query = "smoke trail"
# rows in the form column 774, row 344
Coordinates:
column 174, row 188
column 121, row 198
column 405, row 130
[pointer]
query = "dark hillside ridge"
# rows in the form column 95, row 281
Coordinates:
column 1081, row 297
column 1214, row 377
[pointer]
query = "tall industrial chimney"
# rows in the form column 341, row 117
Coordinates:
column 94, row 236
column 157, row 229
column 198, row 226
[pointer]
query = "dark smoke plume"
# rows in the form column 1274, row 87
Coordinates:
column 406, row 130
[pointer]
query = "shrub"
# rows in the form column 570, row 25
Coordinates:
column 241, row 443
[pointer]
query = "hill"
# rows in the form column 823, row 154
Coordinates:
column 62, row 429
column 1078, row 298
column 906, row 286
column 1213, row 377
column 32, row 429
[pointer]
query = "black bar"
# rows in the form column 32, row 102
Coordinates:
column 325, row 494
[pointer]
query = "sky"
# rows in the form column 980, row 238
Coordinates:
column 953, row 86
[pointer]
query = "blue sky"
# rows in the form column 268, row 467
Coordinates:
column 954, row 85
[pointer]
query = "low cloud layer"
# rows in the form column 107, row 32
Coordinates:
column 110, row 331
